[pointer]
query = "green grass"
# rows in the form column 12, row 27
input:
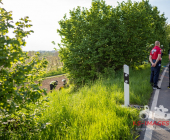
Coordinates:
column 53, row 73
column 94, row 112
column 165, row 61
column 91, row 113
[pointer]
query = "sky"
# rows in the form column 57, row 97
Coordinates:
column 45, row 15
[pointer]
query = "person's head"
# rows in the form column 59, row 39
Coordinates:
column 157, row 43
column 64, row 81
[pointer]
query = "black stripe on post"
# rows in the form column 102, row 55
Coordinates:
column 126, row 78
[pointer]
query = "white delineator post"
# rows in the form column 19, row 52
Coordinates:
column 126, row 85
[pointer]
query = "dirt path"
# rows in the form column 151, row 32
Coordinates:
column 46, row 82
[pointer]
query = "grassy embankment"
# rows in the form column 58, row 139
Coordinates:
column 54, row 73
column 94, row 112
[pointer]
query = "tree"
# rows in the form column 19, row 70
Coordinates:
column 17, row 78
column 143, row 25
column 104, row 38
column 168, row 35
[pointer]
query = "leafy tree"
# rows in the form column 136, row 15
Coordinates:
column 17, row 78
column 143, row 26
column 159, row 26
column 168, row 34
column 104, row 38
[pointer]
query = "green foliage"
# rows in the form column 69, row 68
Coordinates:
column 54, row 63
column 94, row 112
column 53, row 72
column 17, row 86
column 165, row 61
column 168, row 33
column 105, row 37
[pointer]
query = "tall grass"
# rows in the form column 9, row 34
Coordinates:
column 93, row 112
column 53, row 72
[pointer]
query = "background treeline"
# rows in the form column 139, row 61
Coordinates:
column 103, row 38
column 54, row 62
column 168, row 34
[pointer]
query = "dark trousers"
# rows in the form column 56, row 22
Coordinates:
column 51, row 86
column 155, row 73
column 159, row 67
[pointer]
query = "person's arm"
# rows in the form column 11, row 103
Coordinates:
column 169, row 57
column 150, row 59
column 157, row 60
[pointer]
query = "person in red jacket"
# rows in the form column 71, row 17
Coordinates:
column 155, row 59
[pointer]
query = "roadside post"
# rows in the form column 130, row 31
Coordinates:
column 169, row 75
column 126, row 85
column 169, row 69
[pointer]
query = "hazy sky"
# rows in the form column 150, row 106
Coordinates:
column 45, row 15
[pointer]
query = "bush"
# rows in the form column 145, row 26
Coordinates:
column 17, row 86
column 105, row 37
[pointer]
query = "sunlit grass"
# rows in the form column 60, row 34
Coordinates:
column 94, row 112
column 91, row 113
column 53, row 73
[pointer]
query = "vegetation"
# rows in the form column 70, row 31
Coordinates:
column 93, row 111
column 17, row 86
column 104, row 38
column 54, row 66
column 168, row 34
column 53, row 72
